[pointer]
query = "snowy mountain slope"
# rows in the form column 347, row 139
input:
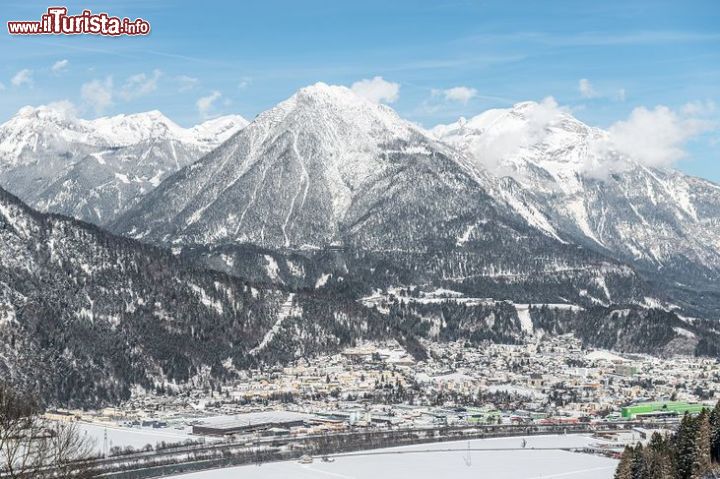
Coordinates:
column 293, row 169
column 305, row 174
column 95, row 169
column 105, row 183
column 85, row 316
column 329, row 171
column 655, row 218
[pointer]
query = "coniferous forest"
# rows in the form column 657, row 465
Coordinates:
column 693, row 452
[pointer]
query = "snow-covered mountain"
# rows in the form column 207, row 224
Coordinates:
column 360, row 220
column 85, row 316
column 288, row 180
column 95, row 169
column 584, row 191
column 327, row 170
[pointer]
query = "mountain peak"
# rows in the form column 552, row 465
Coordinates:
column 337, row 97
column 57, row 162
column 324, row 92
column 54, row 112
column 321, row 88
column 334, row 115
column 219, row 129
column 521, row 116
column 225, row 119
column 291, row 176
column 525, row 105
column 126, row 129
column 152, row 115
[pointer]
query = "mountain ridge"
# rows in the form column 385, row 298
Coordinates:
column 653, row 217
column 95, row 169
column 338, row 212
column 367, row 184
column 86, row 316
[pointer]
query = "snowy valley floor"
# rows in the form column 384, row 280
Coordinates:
column 435, row 461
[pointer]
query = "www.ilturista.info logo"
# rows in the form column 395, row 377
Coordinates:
column 57, row 22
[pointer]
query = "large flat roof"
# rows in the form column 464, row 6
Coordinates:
column 253, row 419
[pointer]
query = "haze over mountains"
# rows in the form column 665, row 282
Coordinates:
column 332, row 219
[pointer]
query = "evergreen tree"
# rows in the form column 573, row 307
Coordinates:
column 715, row 433
column 658, row 452
column 701, row 454
column 639, row 469
column 685, row 448
column 688, row 454
column 624, row 469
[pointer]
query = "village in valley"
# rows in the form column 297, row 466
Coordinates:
column 550, row 384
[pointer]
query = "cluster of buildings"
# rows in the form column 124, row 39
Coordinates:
column 551, row 380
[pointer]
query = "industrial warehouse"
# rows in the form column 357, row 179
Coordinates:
column 661, row 409
column 253, row 422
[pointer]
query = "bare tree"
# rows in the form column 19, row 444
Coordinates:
column 32, row 447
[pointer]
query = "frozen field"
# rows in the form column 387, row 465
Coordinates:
column 126, row 436
column 430, row 461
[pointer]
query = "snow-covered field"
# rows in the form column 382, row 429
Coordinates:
column 434, row 461
column 135, row 437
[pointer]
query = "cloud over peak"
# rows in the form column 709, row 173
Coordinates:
column 377, row 90
column 656, row 137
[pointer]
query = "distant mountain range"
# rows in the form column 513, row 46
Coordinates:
column 331, row 219
column 562, row 178
column 328, row 170
column 94, row 170
column 574, row 188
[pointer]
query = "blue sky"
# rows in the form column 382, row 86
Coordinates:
column 243, row 57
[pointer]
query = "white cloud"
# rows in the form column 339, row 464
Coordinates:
column 205, row 104
column 98, row 94
column 699, row 108
column 66, row 107
column 651, row 137
column 492, row 149
column 139, row 85
column 655, row 137
column 186, row 83
column 460, row 94
column 244, row 82
column 60, row 66
column 2, row 86
column 377, row 89
column 586, row 88
column 23, row 77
